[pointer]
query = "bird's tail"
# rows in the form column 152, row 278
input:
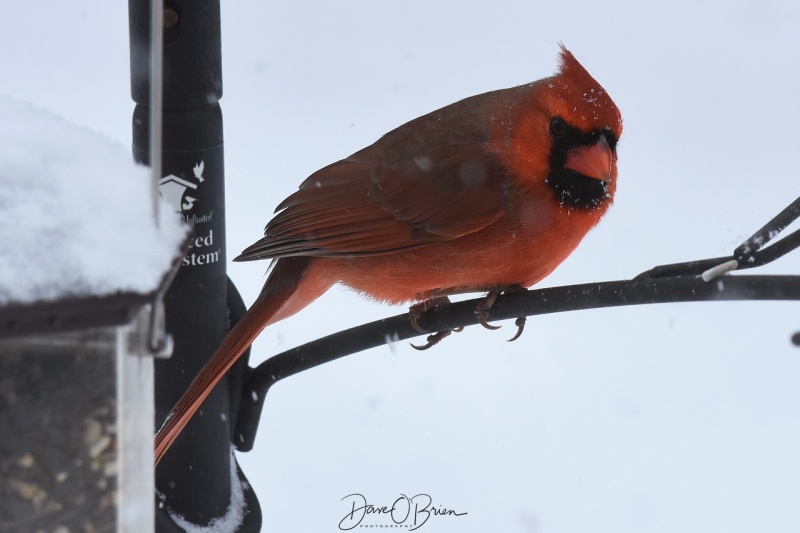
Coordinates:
column 275, row 302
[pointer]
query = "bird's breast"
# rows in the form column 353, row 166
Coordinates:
column 520, row 248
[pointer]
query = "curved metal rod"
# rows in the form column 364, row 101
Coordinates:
column 750, row 254
column 507, row 306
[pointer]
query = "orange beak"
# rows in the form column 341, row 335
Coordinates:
column 593, row 161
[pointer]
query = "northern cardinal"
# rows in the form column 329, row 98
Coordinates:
column 494, row 191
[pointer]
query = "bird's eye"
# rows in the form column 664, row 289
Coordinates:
column 558, row 127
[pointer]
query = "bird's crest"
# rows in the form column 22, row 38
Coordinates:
column 581, row 96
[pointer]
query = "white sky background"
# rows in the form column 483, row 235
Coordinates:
column 664, row 418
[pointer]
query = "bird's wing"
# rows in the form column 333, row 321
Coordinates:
column 370, row 204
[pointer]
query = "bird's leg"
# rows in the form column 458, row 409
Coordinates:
column 482, row 310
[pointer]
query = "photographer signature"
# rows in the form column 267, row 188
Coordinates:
column 407, row 512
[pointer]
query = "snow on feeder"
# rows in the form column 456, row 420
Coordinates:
column 82, row 268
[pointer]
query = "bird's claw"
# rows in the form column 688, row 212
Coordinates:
column 432, row 340
column 481, row 313
column 520, row 323
column 482, row 310
column 413, row 316
column 483, row 316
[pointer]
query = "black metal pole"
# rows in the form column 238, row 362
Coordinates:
column 194, row 478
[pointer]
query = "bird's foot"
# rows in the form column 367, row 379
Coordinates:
column 482, row 310
column 481, row 313
column 416, row 310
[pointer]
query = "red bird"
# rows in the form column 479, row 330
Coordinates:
column 491, row 192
